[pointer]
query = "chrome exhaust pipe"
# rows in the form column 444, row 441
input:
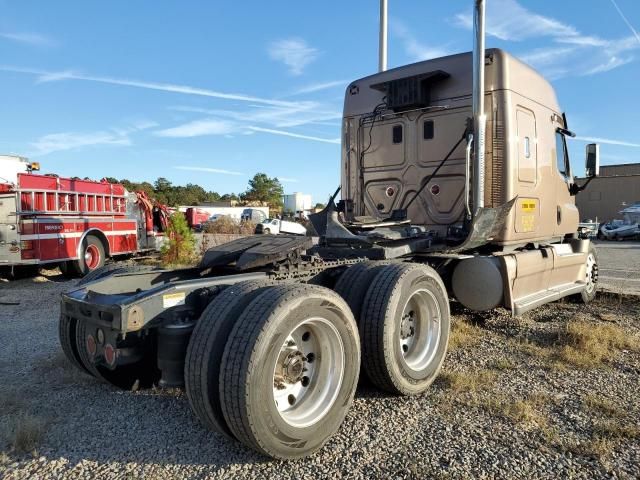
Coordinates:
column 382, row 41
column 479, row 117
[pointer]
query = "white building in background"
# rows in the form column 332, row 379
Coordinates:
column 297, row 203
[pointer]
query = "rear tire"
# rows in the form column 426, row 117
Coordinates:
column 289, row 370
column 67, row 336
column 354, row 282
column 405, row 326
column 206, row 346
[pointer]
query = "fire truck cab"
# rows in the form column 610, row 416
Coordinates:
column 47, row 219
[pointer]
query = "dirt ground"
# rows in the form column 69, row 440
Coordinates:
column 551, row 394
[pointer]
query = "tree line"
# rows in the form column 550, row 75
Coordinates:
column 261, row 188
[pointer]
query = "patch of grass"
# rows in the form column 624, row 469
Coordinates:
column 617, row 429
column 589, row 345
column 532, row 349
column 503, row 363
column 468, row 381
column 24, row 431
column 525, row 411
column 4, row 458
column 463, row 335
column 596, row 447
column 602, row 405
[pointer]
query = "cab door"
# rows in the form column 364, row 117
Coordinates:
column 567, row 216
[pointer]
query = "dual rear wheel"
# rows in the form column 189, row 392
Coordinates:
column 274, row 366
column 403, row 316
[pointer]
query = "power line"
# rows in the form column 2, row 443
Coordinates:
column 626, row 20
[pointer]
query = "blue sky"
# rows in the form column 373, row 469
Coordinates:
column 211, row 92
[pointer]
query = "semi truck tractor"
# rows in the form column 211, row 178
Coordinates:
column 456, row 186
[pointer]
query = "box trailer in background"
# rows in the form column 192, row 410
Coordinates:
column 46, row 219
column 297, row 203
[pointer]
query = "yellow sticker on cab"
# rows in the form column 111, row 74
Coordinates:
column 172, row 299
column 528, row 205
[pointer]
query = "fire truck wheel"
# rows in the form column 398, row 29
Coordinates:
column 266, row 231
column 92, row 257
column 134, row 376
column 289, row 370
column 67, row 336
column 206, row 346
column 404, row 328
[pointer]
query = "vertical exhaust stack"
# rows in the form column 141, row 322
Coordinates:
column 479, row 117
column 382, row 45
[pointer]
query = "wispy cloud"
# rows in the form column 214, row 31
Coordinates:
column 294, row 135
column 63, row 141
column 29, row 38
column 413, row 48
column 317, row 87
column 198, row 128
column 303, row 113
column 49, row 76
column 55, row 142
column 568, row 52
column 287, row 180
column 626, row 20
column 294, row 53
column 608, row 141
column 508, row 20
column 207, row 170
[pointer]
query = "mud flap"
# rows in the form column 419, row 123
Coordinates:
column 487, row 223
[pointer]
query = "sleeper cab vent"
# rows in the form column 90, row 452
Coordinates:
column 410, row 92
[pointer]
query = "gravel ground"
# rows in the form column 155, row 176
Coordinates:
column 504, row 407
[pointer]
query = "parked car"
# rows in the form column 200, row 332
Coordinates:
column 253, row 215
column 275, row 226
column 618, row 230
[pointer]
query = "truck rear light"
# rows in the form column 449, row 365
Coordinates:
column 26, row 244
column 110, row 354
column 91, row 345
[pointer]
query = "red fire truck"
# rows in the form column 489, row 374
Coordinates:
column 77, row 224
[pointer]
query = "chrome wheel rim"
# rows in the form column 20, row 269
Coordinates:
column 308, row 372
column 420, row 332
column 591, row 273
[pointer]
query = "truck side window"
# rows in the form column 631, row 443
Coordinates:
column 561, row 154
column 427, row 133
column 397, row 134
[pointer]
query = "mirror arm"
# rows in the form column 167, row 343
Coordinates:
column 575, row 189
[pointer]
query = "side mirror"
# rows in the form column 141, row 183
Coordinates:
column 592, row 162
